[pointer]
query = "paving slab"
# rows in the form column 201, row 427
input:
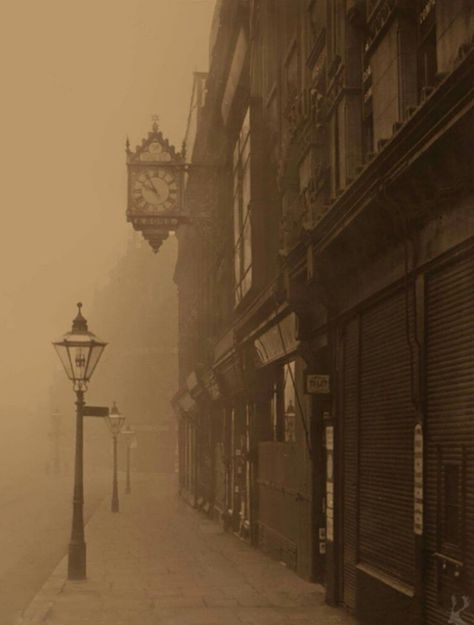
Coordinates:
column 159, row 562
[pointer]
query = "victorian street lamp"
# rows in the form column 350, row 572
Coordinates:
column 129, row 434
column 79, row 351
column 115, row 421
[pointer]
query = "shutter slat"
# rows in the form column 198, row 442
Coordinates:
column 386, row 440
column 450, row 424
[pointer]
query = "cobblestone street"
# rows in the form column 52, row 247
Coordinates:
column 158, row 562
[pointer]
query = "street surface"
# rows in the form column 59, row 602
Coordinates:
column 35, row 521
column 159, row 562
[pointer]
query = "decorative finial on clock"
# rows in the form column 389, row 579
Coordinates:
column 127, row 145
column 156, row 120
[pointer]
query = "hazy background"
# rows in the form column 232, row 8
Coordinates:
column 76, row 79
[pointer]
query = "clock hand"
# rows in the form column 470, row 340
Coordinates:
column 150, row 179
column 152, row 186
column 149, row 186
column 151, row 189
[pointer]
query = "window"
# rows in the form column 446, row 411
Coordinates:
column 283, row 401
column 367, row 112
column 292, row 74
column 336, row 18
column 289, row 402
column 427, row 62
column 242, row 217
column 270, row 46
column 336, row 155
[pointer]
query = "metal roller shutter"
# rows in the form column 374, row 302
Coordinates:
column 350, row 425
column 449, row 489
column 386, row 422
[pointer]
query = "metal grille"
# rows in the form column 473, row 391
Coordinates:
column 450, row 441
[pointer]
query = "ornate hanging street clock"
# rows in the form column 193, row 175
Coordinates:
column 155, row 188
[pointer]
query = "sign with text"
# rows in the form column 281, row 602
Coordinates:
column 317, row 384
column 329, row 435
column 418, row 481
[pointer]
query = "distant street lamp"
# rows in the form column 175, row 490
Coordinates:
column 115, row 421
column 129, row 434
column 79, row 351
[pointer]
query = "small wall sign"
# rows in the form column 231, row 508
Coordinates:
column 329, row 483
column 418, row 481
column 317, row 384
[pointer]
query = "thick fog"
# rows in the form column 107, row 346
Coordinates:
column 75, row 80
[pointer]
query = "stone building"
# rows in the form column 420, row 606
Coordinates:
column 326, row 280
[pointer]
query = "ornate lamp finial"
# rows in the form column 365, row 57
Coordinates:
column 156, row 121
column 79, row 324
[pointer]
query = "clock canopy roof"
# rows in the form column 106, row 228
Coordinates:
column 153, row 149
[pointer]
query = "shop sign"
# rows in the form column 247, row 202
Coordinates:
column 317, row 384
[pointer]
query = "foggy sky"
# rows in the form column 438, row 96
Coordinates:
column 76, row 78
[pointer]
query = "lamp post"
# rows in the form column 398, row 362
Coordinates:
column 115, row 421
column 79, row 351
column 129, row 434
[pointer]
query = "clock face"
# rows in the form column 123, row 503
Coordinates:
column 154, row 190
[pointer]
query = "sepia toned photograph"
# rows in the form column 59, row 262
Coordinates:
column 237, row 312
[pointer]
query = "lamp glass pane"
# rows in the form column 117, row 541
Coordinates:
column 96, row 351
column 63, row 353
column 115, row 422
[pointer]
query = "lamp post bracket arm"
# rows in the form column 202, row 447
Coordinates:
column 95, row 411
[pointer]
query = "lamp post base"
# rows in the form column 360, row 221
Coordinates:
column 76, row 567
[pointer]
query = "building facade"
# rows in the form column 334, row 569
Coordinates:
column 326, row 280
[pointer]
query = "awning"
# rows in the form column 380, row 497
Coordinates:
column 279, row 341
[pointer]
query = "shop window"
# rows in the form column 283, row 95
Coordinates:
column 276, row 412
column 283, row 402
column 289, row 402
column 242, row 215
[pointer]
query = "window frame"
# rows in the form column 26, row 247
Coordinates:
column 241, row 206
column 284, row 425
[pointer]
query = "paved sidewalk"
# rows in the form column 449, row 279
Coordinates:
column 158, row 562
